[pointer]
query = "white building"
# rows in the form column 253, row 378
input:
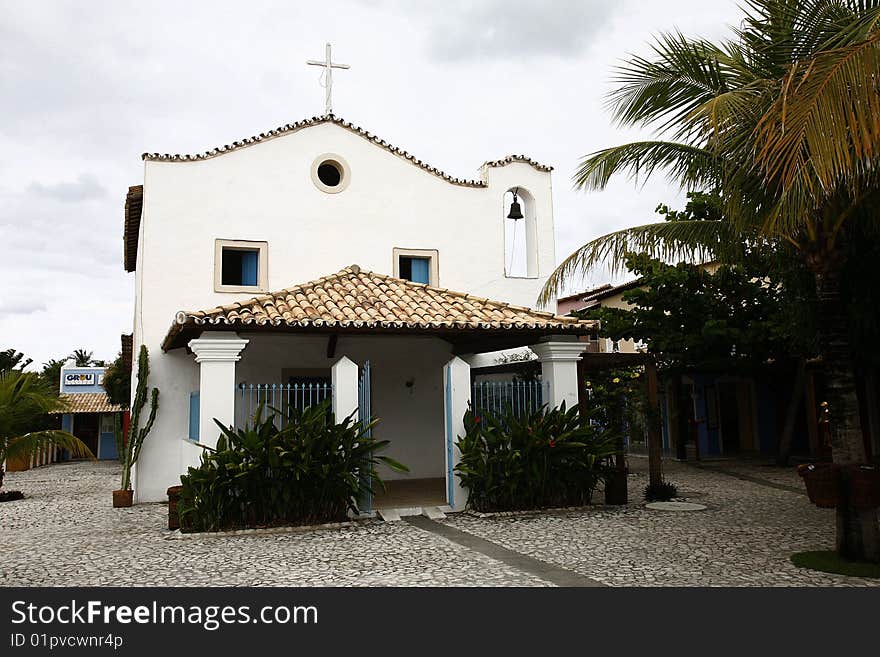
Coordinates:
column 206, row 234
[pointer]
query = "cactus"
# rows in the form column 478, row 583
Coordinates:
column 137, row 434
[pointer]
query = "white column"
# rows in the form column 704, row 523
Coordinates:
column 344, row 378
column 456, row 400
column 216, row 356
column 559, row 370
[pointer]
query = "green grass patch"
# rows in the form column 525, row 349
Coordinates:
column 828, row 561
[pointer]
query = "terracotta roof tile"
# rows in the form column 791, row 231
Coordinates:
column 89, row 402
column 355, row 298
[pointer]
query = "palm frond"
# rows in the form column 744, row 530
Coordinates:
column 31, row 444
column 825, row 126
column 669, row 241
column 690, row 166
column 664, row 90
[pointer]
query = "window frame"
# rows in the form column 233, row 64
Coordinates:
column 262, row 249
column 432, row 255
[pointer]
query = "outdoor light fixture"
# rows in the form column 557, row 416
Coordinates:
column 515, row 210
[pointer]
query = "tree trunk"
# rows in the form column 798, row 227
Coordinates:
column 858, row 534
column 655, row 449
column 794, row 404
column 679, row 423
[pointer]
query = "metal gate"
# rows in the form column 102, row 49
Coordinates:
column 365, row 414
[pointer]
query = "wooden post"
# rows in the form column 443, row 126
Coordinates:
column 655, row 449
column 583, row 397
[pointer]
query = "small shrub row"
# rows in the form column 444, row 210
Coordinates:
column 547, row 458
column 311, row 471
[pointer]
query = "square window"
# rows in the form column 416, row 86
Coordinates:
column 416, row 270
column 416, row 265
column 240, row 266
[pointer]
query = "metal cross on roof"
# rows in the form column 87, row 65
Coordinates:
column 327, row 78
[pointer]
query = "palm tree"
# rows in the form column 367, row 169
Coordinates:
column 783, row 122
column 24, row 400
column 82, row 358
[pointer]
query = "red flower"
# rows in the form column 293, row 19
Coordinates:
column 552, row 443
column 477, row 419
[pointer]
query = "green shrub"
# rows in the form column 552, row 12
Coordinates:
column 311, row 471
column 548, row 458
column 662, row 492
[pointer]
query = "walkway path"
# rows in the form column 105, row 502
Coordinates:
column 65, row 533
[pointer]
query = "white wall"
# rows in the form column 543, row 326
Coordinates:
column 411, row 416
column 265, row 193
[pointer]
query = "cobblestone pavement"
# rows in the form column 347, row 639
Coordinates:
column 744, row 538
column 65, row 533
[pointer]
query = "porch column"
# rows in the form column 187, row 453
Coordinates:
column 344, row 379
column 457, row 399
column 216, row 356
column 559, row 369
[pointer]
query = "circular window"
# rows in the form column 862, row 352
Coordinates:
column 330, row 173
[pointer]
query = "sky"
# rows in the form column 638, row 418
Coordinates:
column 86, row 87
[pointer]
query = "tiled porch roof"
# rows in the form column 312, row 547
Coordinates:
column 354, row 299
column 89, row 402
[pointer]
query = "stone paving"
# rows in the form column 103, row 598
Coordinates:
column 743, row 538
column 65, row 533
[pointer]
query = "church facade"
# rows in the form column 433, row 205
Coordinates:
column 318, row 257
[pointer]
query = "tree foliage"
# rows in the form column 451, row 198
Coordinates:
column 731, row 319
column 25, row 402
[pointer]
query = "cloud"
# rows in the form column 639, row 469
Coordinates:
column 21, row 306
column 85, row 188
column 495, row 29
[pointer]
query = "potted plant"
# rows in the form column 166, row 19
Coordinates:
column 823, row 483
column 136, row 434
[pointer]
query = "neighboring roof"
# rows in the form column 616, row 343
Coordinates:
column 591, row 298
column 89, row 402
column 134, row 202
column 363, row 301
column 330, row 118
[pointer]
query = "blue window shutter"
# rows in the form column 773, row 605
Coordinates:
column 194, row 416
column 249, row 267
column 421, row 270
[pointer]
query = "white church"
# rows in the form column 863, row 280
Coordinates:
column 317, row 260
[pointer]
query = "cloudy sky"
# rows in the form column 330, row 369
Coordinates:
column 86, row 87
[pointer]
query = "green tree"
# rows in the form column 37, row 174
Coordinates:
column 782, row 121
column 51, row 373
column 82, row 358
column 10, row 359
column 117, row 382
column 25, row 400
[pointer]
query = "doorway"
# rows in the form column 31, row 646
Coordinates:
column 85, row 427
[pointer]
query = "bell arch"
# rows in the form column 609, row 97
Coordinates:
column 520, row 233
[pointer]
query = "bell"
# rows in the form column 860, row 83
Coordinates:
column 515, row 210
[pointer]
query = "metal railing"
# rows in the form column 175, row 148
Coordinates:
column 520, row 397
column 282, row 397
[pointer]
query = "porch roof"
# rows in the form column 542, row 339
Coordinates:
column 89, row 402
column 358, row 301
